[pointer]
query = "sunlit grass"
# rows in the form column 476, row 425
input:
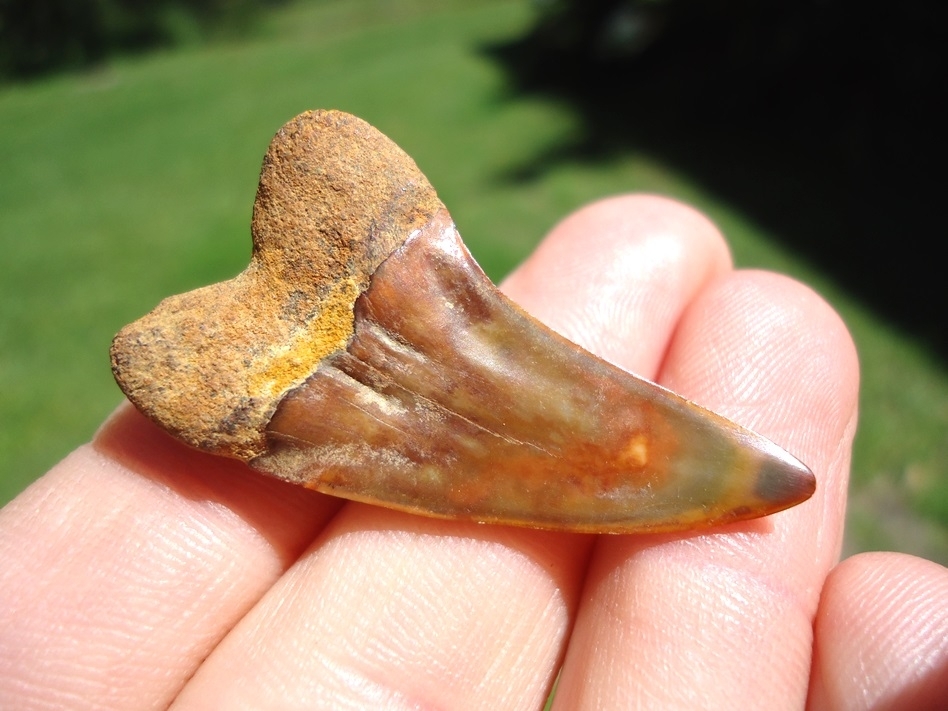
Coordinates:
column 135, row 181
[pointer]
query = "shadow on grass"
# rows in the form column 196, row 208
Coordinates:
column 831, row 143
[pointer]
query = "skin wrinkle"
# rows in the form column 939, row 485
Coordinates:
column 775, row 655
column 360, row 690
column 761, row 362
column 550, row 618
column 381, row 633
column 882, row 616
column 404, row 628
column 729, row 575
column 262, row 506
column 450, row 666
column 828, row 534
column 639, row 630
column 374, row 694
column 866, row 663
column 643, row 235
column 934, row 653
column 901, row 631
column 763, row 323
column 175, row 554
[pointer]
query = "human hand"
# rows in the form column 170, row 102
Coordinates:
column 140, row 574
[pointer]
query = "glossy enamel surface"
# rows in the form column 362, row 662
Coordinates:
column 451, row 401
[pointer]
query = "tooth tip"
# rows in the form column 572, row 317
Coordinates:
column 784, row 481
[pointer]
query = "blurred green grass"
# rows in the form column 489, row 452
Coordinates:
column 126, row 184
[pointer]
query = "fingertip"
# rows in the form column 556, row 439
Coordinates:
column 615, row 275
column 754, row 336
column 593, row 240
column 881, row 635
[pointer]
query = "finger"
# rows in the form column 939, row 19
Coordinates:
column 723, row 619
column 394, row 611
column 615, row 277
column 127, row 563
column 882, row 636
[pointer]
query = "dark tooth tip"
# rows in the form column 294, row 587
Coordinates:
column 784, row 481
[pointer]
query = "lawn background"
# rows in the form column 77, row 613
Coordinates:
column 134, row 181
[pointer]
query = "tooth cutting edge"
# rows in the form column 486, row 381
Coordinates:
column 364, row 353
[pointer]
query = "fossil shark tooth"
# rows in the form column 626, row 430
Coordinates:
column 363, row 353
